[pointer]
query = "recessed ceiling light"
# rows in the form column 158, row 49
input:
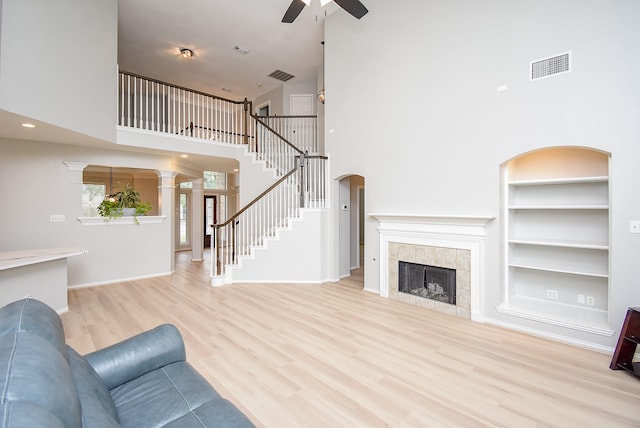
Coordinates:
column 184, row 156
column 28, row 125
column 186, row 53
column 235, row 170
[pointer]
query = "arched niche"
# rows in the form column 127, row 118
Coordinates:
column 556, row 231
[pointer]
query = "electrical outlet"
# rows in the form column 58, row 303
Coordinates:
column 54, row 218
column 591, row 300
column 552, row 294
column 581, row 299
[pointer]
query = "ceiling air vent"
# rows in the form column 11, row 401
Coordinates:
column 281, row 75
column 551, row 66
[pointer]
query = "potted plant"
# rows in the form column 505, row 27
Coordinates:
column 124, row 202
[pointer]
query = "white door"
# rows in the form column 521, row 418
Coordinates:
column 301, row 133
column 301, row 104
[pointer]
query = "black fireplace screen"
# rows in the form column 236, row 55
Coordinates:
column 431, row 282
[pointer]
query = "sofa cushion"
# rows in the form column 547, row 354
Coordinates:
column 33, row 370
column 175, row 395
column 20, row 414
column 96, row 403
column 33, row 316
column 220, row 413
column 140, row 354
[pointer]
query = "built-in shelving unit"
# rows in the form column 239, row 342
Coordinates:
column 557, row 239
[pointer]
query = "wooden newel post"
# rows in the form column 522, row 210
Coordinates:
column 247, row 114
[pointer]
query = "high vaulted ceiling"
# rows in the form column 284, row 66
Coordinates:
column 151, row 32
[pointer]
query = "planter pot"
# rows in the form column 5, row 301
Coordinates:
column 128, row 212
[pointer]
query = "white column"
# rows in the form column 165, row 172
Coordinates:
column 167, row 207
column 197, row 220
column 75, row 179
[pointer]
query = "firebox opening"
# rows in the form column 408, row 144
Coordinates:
column 430, row 282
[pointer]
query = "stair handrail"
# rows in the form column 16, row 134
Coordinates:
column 300, row 130
column 255, row 200
column 217, row 260
column 289, row 143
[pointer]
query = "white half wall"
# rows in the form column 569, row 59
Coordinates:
column 35, row 183
column 295, row 255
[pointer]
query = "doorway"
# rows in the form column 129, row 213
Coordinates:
column 351, row 227
column 210, row 218
column 183, row 226
column 263, row 109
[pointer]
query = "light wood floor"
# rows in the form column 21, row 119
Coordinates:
column 335, row 356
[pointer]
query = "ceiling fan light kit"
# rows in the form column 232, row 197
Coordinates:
column 353, row 7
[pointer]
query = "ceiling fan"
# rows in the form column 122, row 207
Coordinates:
column 354, row 7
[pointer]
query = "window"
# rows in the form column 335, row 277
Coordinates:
column 184, row 209
column 99, row 181
column 215, row 180
column 92, row 195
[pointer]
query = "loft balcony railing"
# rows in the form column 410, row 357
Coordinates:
column 301, row 131
column 157, row 106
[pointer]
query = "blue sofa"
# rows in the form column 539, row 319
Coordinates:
column 143, row 381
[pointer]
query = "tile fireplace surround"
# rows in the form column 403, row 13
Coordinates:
column 455, row 242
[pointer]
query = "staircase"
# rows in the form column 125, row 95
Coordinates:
column 287, row 145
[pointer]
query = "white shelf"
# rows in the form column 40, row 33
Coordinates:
column 552, row 181
column 563, row 244
column 559, row 207
column 559, row 268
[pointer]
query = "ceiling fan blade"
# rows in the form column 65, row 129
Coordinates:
column 294, row 10
column 354, row 7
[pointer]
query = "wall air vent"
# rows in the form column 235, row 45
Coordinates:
column 551, row 66
column 281, row 75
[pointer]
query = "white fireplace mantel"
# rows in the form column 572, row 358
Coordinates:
column 451, row 231
column 456, row 224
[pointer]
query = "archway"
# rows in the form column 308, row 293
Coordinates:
column 351, row 224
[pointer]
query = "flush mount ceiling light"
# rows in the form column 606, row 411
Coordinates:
column 28, row 125
column 186, row 53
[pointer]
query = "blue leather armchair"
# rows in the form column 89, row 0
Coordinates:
column 143, row 381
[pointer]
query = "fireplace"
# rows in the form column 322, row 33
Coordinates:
column 426, row 281
column 451, row 242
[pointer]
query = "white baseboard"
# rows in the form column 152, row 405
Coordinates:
column 116, row 281
column 555, row 337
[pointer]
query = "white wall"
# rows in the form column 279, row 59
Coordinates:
column 51, row 74
column 275, row 98
column 412, row 106
column 35, row 183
